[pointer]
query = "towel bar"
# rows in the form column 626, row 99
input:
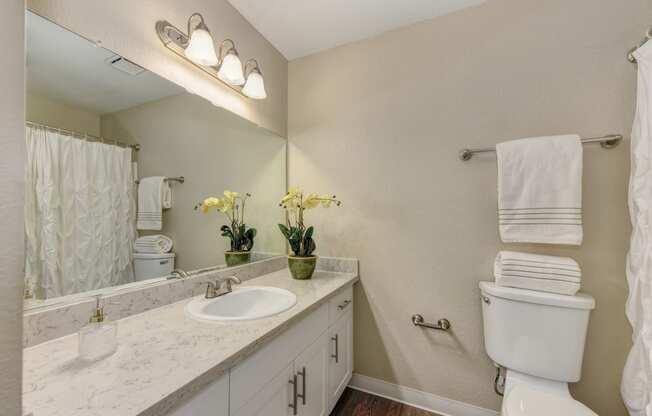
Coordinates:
column 607, row 142
column 179, row 179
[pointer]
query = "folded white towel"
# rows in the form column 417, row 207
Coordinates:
column 154, row 194
column 540, row 190
column 537, row 272
column 154, row 244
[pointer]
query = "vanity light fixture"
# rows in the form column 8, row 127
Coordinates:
column 230, row 67
column 198, row 48
column 254, row 87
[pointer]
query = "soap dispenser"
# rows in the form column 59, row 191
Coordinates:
column 98, row 339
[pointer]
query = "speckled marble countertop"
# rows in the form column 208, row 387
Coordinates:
column 163, row 356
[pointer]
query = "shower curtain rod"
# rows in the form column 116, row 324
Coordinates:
column 607, row 142
column 85, row 136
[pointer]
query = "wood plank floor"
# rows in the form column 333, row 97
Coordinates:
column 357, row 403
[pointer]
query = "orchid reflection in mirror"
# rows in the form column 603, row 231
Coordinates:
column 232, row 205
column 302, row 264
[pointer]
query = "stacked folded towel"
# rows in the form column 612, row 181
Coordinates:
column 537, row 272
column 154, row 244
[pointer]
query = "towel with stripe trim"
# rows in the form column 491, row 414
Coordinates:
column 540, row 190
column 552, row 274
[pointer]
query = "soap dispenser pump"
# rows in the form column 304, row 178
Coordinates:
column 97, row 339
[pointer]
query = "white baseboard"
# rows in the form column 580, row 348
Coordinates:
column 416, row 398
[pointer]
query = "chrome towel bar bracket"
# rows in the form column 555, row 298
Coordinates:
column 441, row 325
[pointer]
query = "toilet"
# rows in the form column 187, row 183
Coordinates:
column 148, row 266
column 539, row 338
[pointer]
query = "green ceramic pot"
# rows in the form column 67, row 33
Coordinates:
column 236, row 258
column 302, row 268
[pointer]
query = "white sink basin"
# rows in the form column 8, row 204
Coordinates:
column 243, row 304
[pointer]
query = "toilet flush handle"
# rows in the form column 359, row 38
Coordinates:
column 485, row 299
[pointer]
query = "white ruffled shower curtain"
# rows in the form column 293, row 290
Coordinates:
column 636, row 386
column 79, row 214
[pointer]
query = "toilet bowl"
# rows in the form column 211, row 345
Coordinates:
column 539, row 338
column 149, row 266
column 529, row 396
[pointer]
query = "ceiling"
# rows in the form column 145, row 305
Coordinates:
column 302, row 27
column 67, row 68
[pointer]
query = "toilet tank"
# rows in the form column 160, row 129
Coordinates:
column 536, row 333
column 148, row 266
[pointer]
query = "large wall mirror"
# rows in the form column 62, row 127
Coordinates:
column 90, row 194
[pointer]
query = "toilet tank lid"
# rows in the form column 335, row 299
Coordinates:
column 578, row 301
column 153, row 256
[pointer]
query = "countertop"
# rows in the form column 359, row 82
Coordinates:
column 163, row 355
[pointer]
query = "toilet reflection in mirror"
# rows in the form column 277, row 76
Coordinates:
column 99, row 128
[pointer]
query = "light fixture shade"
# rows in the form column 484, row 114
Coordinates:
column 201, row 49
column 231, row 70
column 255, row 86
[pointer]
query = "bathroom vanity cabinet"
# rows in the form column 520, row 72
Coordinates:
column 301, row 372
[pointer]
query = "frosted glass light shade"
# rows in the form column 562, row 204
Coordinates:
column 255, row 86
column 231, row 70
column 200, row 49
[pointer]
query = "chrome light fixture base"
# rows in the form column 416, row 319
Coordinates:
column 176, row 40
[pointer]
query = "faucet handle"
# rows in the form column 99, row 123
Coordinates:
column 211, row 289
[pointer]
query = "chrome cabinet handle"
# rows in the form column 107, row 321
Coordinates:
column 336, row 338
column 293, row 405
column 302, row 396
column 343, row 305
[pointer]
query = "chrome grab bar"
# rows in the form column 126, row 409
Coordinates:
column 441, row 325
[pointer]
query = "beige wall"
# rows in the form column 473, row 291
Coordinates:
column 127, row 28
column 380, row 123
column 12, row 159
column 214, row 150
column 46, row 111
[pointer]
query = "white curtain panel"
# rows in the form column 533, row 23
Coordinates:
column 79, row 214
column 636, row 386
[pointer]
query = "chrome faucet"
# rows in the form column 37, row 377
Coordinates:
column 221, row 287
column 178, row 274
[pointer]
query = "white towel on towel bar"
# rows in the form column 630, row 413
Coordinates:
column 540, row 190
column 153, row 244
column 553, row 274
column 154, row 194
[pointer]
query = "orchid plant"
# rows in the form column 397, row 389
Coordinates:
column 295, row 203
column 233, row 206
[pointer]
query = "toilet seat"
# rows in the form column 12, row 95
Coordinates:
column 524, row 400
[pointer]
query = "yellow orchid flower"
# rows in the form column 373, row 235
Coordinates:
column 231, row 196
column 311, row 201
column 326, row 200
column 291, row 199
column 211, row 202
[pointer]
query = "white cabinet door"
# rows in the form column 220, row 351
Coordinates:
column 273, row 400
column 340, row 364
column 213, row 400
column 312, row 379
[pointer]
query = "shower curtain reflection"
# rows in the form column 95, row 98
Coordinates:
column 79, row 214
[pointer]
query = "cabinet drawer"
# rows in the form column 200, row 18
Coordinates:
column 340, row 304
column 250, row 376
